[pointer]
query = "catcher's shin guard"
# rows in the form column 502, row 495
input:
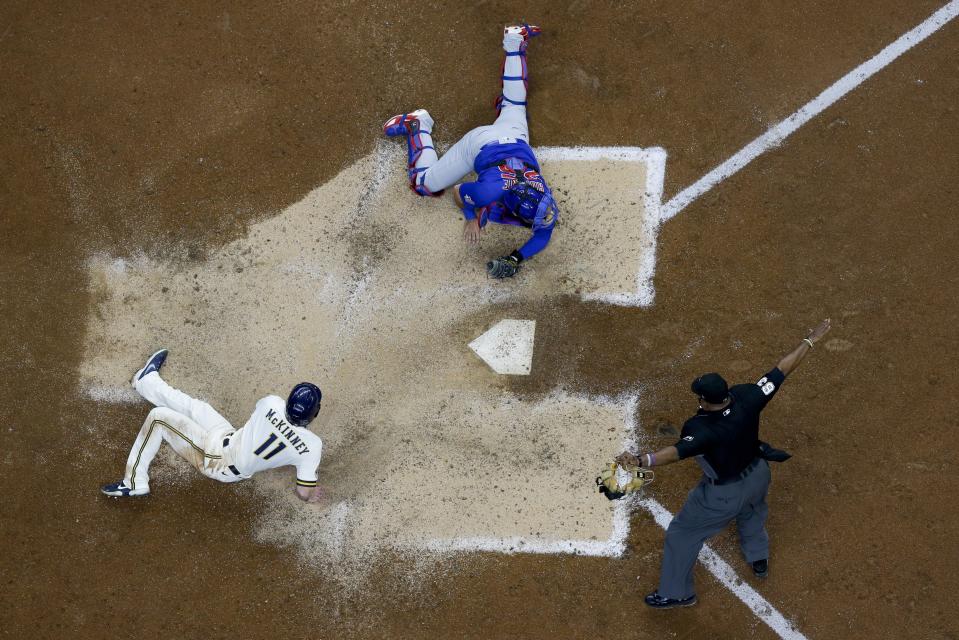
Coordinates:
column 417, row 177
column 417, row 127
column 515, row 40
column 522, row 77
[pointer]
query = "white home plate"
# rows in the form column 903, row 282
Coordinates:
column 507, row 347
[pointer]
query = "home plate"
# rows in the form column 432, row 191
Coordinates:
column 507, row 347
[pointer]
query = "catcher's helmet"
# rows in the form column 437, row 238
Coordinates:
column 303, row 404
column 532, row 201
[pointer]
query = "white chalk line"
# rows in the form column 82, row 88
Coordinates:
column 612, row 547
column 728, row 578
column 111, row 395
column 655, row 160
column 771, row 139
column 777, row 134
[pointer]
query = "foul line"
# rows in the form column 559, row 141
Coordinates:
column 776, row 135
column 727, row 576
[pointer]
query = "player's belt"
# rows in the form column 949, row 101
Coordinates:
column 232, row 469
column 526, row 166
column 742, row 474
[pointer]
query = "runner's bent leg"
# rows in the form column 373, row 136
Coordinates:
column 156, row 390
column 186, row 437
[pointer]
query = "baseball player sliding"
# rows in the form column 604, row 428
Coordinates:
column 274, row 436
column 509, row 188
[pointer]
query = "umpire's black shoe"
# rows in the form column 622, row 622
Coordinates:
column 761, row 568
column 657, row 601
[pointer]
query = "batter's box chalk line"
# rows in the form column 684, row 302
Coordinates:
column 612, row 547
column 654, row 159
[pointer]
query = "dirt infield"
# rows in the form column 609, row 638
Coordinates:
column 425, row 449
column 166, row 133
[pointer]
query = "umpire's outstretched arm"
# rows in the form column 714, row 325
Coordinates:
column 792, row 360
column 670, row 454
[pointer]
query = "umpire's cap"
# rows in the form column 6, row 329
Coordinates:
column 710, row 387
column 303, row 404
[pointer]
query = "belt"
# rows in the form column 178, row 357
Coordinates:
column 742, row 474
column 526, row 166
column 503, row 140
column 233, row 469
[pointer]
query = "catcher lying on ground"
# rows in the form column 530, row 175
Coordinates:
column 509, row 188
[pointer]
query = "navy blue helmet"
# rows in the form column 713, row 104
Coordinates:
column 532, row 201
column 303, row 404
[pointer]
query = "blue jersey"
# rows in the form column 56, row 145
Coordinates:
column 510, row 190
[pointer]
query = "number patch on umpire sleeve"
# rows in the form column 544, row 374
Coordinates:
column 766, row 386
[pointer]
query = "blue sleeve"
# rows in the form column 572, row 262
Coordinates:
column 536, row 243
column 480, row 193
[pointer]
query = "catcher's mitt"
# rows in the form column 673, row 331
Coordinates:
column 505, row 267
column 617, row 481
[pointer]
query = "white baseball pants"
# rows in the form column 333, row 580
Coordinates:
column 191, row 427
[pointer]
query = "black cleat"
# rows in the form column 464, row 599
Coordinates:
column 121, row 490
column 657, row 601
column 154, row 363
column 761, row 568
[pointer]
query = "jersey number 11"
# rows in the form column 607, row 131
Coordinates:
column 266, row 443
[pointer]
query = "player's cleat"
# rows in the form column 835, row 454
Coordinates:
column 154, row 363
column 657, row 601
column 761, row 568
column 408, row 124
column 527, row 31
column 412, row 125
column 121, row 490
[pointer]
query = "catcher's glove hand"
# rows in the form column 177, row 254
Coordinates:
column 505, row 267
column 617, row 481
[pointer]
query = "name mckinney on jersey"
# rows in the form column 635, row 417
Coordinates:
column 287, row 432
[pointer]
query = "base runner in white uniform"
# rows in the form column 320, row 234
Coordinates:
column 274, row 436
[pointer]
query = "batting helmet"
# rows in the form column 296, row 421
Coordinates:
column 303, row 404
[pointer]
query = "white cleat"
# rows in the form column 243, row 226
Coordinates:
column 407, row 124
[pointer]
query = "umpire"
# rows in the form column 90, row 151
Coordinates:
column 723, row 436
